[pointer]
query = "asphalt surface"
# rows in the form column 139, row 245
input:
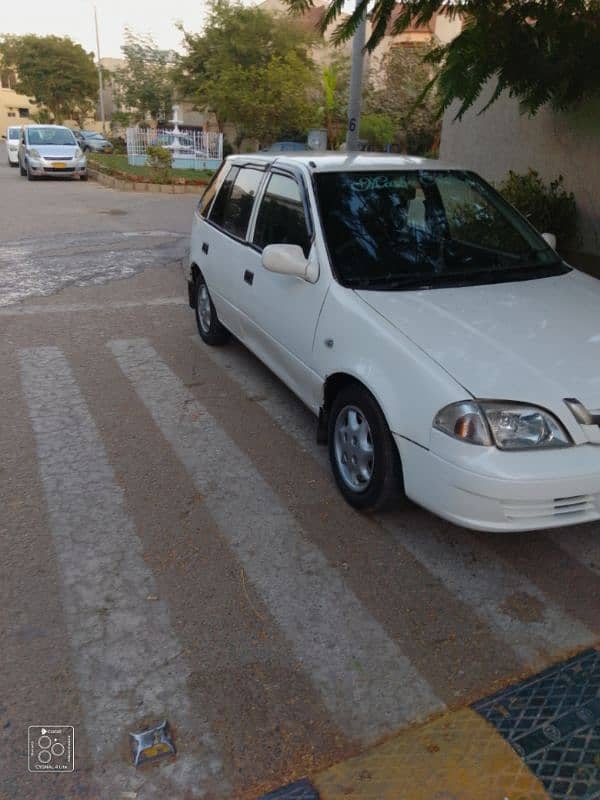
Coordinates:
column 174, row 547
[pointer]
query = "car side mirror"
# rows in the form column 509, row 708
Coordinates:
column 286, row 259
column 550, row 239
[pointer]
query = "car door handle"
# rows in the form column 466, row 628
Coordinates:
column 204, row 248
column 248, row 276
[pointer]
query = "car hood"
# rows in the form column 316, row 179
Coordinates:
column 532, row 341
column 57, row 151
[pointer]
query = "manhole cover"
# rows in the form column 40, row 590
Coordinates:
column 552, row 720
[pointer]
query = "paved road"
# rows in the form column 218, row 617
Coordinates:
column 174, row 547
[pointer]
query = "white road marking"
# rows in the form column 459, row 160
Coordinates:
column 127, row 659
column 261, row 385
column 529, row 621
column 479, row 578
column 582, row 545
column 367, row 684
column 65, row 308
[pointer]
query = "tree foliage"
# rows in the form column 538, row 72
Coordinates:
column 55, row 72
column 399, row 95
column 540, row 51
column 251, row 69
column 335, row 80
column 145, row 83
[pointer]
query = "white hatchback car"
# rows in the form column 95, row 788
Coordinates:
column 12, row 144
column 449, row 353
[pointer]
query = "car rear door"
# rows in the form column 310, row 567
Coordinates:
column 224, row 246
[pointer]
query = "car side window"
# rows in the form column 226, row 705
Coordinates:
column 233, row 211
column 281, row 218
column 205, row 202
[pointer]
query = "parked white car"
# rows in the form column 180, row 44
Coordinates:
column 50, row 150
column 449, row 353
column 12, row 144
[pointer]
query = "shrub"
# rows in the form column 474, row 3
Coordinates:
column 377, row 129
column 550, row 208
column 159, row 161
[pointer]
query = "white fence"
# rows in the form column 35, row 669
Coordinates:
column 190, row 149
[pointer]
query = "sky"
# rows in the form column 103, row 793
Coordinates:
column 75, row 18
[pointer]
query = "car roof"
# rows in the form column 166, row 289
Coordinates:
column 343, row 162
column 49, row 125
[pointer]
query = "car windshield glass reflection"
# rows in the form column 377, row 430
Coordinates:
column 421, row 229
column 50, row 136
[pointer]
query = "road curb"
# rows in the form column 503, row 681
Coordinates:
column 538, row 739
column 122, row 185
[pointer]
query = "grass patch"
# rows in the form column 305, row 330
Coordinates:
column 117, row 165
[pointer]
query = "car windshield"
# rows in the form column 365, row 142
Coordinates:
column 50, row 136
column 13, row 133
column 426, row 229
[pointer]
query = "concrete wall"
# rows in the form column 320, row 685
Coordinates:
column 502, row 139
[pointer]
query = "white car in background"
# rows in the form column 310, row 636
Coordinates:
column 12, row 144
column 449, row 352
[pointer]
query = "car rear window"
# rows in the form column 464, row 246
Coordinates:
column 13, row 133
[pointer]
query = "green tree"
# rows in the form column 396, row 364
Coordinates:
column 335, row 79
column 405, row 75
column 250, row 69
column 540, row 51
column 145, row 83
column 55, row 71
column 377, row 129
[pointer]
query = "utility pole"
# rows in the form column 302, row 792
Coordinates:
column 100, row 79
column 356, row 77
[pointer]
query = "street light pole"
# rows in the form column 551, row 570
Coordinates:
column 100, row 79
column 356, row 77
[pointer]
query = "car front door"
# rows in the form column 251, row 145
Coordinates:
column 280, row 312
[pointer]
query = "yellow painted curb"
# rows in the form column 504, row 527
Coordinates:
column 458, row 756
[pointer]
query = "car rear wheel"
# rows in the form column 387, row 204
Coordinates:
column 210, row 329
column 363, row 455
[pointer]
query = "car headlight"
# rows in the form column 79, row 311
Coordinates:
column 33, row 154
column 78, row 152
column 509, row 426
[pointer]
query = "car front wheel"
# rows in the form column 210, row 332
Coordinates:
column 209, row 327
column 363, row 455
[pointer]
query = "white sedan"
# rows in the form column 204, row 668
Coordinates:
column 449, row 353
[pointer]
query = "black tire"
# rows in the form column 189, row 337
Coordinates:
column 210, row 329
column 83, row 177
column 22, row 170
column 13, row 164
column 384, row 486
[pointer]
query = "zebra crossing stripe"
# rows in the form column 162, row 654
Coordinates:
column 481, row 580
column 367, row 683
column 124, row 651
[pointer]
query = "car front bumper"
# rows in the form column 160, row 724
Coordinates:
column 491, row 490
column 72, row 169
